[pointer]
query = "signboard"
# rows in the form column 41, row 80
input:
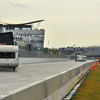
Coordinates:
column 83, row 48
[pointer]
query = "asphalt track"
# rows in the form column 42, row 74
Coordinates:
column 29, row 73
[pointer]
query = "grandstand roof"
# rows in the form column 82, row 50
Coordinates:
column 23, row 23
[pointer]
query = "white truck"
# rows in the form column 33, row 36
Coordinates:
column 8, row 51
column 79, row 57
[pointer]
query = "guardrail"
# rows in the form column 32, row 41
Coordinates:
column 55, row 87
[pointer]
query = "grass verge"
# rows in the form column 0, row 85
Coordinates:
column 90, row 87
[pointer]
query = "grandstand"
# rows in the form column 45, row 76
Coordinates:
column 90, row 52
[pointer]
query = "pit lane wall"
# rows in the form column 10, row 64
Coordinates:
column 52, row 88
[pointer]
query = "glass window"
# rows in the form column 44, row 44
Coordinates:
column 7, row 54
column 26, row 28
column 32, row 35
column 17, row 28
column 38, row 48
column 0, row 28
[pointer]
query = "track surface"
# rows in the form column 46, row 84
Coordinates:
column 29, row 73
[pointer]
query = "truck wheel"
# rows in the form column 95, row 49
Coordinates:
column 14, row 68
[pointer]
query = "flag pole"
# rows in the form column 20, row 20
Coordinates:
column 0, row 18
column 48, row 46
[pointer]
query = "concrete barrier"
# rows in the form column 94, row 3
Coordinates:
column 55, row 87
column 40, row 60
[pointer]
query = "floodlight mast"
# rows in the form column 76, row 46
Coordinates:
column 72, row 47
column 0, row 18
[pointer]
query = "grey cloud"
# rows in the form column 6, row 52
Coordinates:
column 19, row 4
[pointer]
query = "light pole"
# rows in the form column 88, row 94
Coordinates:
column 48, row 46
column 0, row 18
column 68, row 50
column 72, row 47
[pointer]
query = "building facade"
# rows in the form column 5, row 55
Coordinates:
column 26, row 36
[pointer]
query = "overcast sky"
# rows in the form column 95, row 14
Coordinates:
column 67, row 22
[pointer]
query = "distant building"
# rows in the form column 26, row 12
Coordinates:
column 26, row 36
